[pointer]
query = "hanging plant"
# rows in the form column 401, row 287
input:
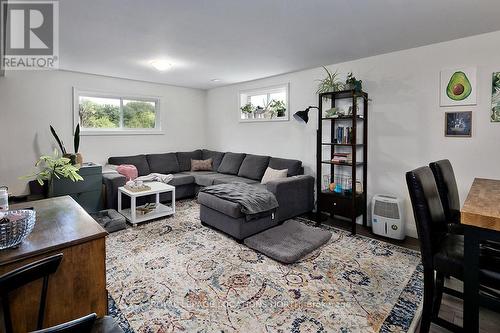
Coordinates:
column 330, row 83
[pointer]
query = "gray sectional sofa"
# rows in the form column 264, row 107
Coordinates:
column 295, row 194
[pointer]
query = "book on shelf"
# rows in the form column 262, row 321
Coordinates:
column 344, row 135
column 342, row 158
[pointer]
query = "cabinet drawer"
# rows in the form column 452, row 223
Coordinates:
column 338, row 205
column 90, row 201
column 65, row 186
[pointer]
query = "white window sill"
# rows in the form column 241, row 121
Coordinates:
column 121, row 132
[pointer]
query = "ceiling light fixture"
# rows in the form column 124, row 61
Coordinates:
column 215, row 80
column 161, row 65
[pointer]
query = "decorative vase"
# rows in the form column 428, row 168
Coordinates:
column 79, row 158
column 72, row 158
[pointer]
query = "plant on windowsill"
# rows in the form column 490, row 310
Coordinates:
column 277, row 108
column 54, row 166
column 247, row 110
column 263, row 111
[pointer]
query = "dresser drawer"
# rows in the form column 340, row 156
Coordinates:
column 66, row 186
column 90, row 201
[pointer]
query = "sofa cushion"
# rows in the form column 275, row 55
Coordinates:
column 232, row 179
column 231, row 163
column 294, row 166
column 140, row 162
column 181, row 179
column 226, row 207
column 253, row 166
column 163, row 163
column 185, row 157
column 216, row 157
column 204, row 178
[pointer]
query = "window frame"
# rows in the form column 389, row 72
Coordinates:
column 77, row 93
column 264, row 91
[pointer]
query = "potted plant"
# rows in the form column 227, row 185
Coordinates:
column 247, row 110
column 76, row 157
column 330, row 83
column 352, row 83
column 278, row 108
column 55, row 166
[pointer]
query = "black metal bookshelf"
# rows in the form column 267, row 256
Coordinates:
column 347, row 205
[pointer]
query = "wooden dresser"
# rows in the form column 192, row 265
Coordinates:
column 79, row 285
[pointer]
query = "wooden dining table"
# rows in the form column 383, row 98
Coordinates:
column 480, row 216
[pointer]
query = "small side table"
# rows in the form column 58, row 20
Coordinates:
column 161, row 210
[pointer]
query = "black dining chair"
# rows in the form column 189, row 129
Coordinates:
column 442, row 252
column 43, row 269
column 80, row 325
column 448, row 190
column 88, row 324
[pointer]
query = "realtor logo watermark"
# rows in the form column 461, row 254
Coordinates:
column 30, row 35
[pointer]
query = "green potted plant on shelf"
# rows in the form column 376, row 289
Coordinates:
column 351, row 83
column 330, row 83
column 54, row 166
column 277, row 108
column 247, row 110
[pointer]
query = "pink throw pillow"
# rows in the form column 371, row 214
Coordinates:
column 128, row 170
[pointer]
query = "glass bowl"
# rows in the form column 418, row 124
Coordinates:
column 19, row 225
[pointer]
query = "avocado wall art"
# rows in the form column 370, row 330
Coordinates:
column 458, row 87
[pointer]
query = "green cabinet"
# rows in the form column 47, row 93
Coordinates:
column 88, row 192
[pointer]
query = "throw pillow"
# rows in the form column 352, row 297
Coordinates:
column 272, row 174
column 231, row 163
column 127, row 170
column 201, row 165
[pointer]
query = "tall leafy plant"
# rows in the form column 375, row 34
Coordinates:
column 76, row 141
column 59, row 141
column 330, row 83
column 55, row 166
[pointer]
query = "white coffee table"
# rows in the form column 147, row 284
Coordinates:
column 161, row 210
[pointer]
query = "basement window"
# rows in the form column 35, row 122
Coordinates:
column 101, row 113
column 264, row 104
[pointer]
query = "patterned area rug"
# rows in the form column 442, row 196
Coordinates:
column 175, row 275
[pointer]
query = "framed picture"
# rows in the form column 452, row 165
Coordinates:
column 495, row 97
column 458, row 87
column 458, row 124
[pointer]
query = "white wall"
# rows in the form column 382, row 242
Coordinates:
column 406, row 124
column 30, row 101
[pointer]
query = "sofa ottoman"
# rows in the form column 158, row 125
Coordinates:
column 227, row 217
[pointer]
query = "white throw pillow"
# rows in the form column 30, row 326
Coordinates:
column 272, row 174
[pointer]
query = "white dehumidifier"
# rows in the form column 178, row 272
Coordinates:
column 387, row 216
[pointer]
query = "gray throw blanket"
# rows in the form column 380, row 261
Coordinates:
column 254, row 201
